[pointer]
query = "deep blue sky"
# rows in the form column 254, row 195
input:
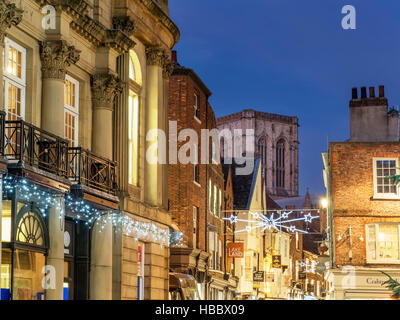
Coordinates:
column 292, row 57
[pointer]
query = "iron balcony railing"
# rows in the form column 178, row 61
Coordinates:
column 24, row 143
column 93, row 171
column 27, row 144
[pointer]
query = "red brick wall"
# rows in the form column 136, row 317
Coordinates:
column 352, row 192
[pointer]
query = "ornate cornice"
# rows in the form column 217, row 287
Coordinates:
column 9, row 15
column 56, row 56
column 105, row 87
column 155, row 9
column 125, row 24
column 118, row 40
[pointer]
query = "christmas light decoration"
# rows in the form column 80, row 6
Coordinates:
column 84, row 211
column 277, row 220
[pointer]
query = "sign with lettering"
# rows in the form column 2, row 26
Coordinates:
column 258, row 276
column 276, row 261
column 236, row 250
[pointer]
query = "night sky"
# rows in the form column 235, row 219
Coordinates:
column 292, row 57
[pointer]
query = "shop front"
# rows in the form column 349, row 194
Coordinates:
column 359, row 283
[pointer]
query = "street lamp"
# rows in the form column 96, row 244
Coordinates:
column 324, row 203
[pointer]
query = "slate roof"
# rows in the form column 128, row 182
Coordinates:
column 243, row 186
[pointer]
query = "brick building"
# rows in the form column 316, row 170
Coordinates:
column 276, row 143
column 197, row 191
column 363, row 215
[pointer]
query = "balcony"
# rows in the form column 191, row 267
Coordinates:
column 24, row 144
column 93, row 171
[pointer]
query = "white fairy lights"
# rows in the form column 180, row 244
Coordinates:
column 83, row 211
column 273, row 220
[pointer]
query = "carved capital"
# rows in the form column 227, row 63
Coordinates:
column 9, row 15
column 56, row 56
column 168, row 67
column 125, row 24
column 104, row 89
column 155, row 56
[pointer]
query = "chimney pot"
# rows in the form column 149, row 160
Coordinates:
column 354, row 93
column 363, row 92
column 174, row 56
column 381, row 91
column 372, row 92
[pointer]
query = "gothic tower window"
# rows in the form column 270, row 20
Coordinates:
column 262, row 152
column 280, row 164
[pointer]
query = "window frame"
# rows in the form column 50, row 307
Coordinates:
column 196, row 107
column 10, row 79
column 367, row 240
column 375, row 180
column 74, row 111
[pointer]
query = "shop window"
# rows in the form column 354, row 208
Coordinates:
column 383, row 242
column 383, row 187
column 24, row 253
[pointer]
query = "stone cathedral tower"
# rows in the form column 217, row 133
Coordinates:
column 276, row 142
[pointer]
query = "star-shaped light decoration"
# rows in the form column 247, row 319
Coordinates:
column 277, row 220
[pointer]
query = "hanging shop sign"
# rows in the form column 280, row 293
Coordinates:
column 277, row 261
column 236, row 250
column 302, row 276
column 258, row 276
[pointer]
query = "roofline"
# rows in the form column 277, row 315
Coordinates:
column 179, row 71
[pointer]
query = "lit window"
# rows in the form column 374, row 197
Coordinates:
column 210, row 196
column 383, row 242
column 71, row 111
column 133, row 138
column 14, row 73
column 215, row 200
column 383, row 187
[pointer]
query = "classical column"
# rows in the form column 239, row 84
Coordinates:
column 101, row 260
column 10, row 15
column 152, row 172
column 105, row 87
column 56, row 56
column 55, row 257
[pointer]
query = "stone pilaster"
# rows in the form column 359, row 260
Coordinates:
column 56, row 252
column 101, row 261
column 56, row 57
column 105, row 87
column 10, row 15
column 154, row 120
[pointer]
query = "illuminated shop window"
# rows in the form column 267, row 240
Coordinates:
column 383, row 242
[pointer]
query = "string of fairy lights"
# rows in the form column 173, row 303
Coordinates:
column 278, row 220
column 83, row 211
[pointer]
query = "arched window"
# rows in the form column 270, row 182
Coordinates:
column 262, row 152
column 135, row 77
column 280, row 164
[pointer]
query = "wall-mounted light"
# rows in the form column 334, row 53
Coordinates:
column 324, row 203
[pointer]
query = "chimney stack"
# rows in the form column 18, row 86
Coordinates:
column 372, row 92
column 174, row 56
column 381, row 91
column 354, row 94
column 363, row 92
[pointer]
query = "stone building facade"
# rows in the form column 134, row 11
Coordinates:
column 276, row 142
column 196, row 192
column 84, row 82
column 363, row 217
